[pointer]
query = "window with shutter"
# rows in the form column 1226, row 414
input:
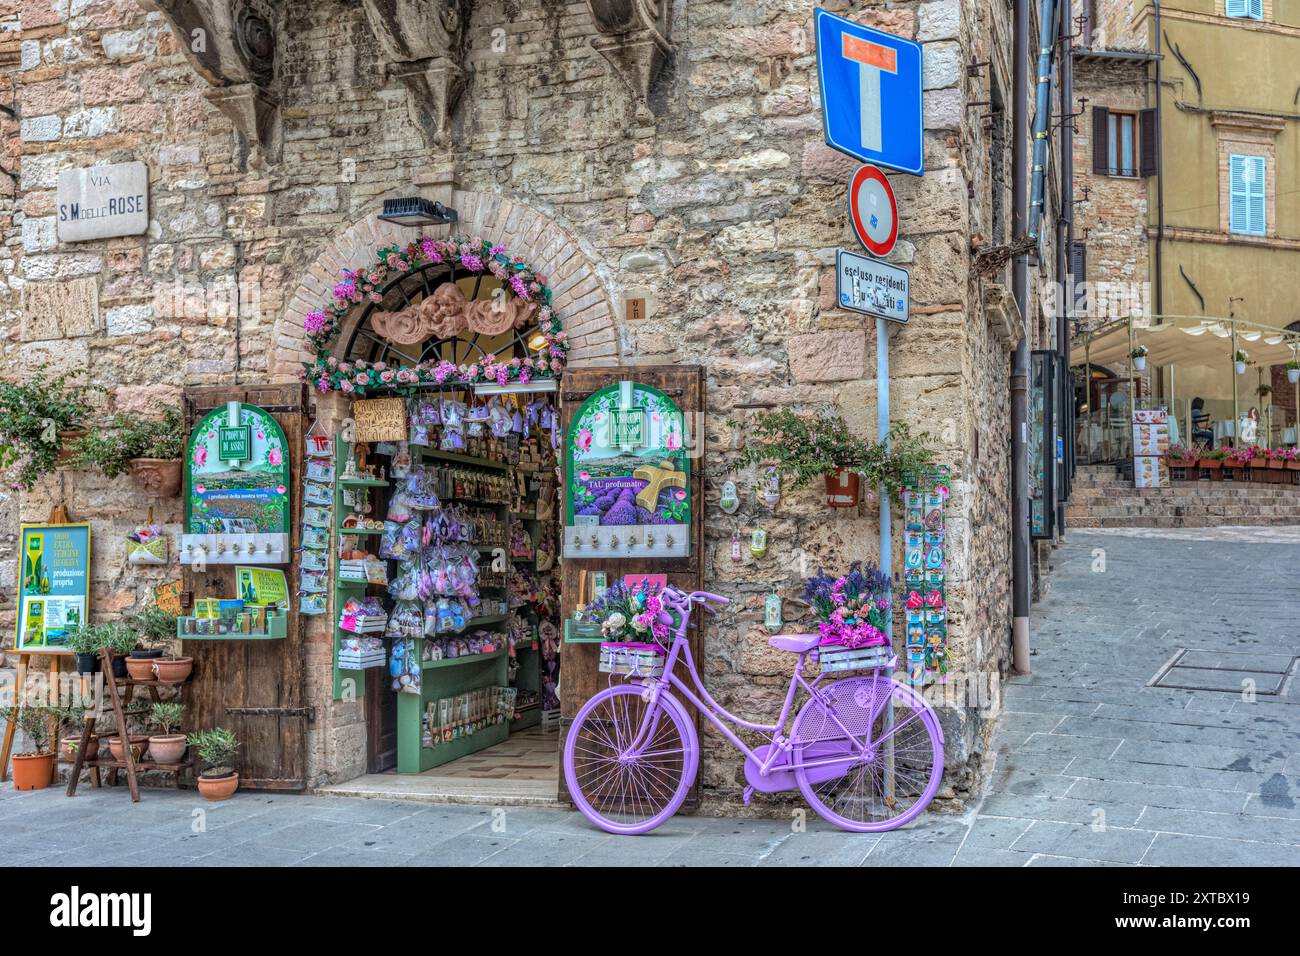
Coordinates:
column 1100, row 140
column 1244, row 9
column 1147, row 142
column 1122, row 155
column 1247, row 203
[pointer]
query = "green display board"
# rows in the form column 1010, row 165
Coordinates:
column 53, row 585
column 627, row 475
column 237, row 473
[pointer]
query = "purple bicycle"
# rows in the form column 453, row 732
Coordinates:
column 866, row 752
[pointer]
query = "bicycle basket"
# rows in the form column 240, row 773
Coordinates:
column 835, row 658
column 631, row 659
column 855, row 702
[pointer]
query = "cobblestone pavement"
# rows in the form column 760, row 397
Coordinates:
column 1092, row 765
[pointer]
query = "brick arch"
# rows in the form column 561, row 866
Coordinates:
column 580, row 299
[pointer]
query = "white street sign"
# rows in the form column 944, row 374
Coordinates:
column 867, row 285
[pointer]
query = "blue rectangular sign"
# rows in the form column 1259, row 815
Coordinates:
column 871, row 93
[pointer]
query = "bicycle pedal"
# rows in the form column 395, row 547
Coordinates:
column 749, row 795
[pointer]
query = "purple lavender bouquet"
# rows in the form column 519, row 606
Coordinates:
column 852, row 610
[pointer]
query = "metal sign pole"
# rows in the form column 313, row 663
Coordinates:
column 886, row 531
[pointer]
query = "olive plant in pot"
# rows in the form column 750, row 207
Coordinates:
column 40, row 415
column 806, row 447
column 33, row 768
column 169, row 746
column 217, row 748
column 150, row 449
column 84, row 644
column 119, row 640
column 156, row 630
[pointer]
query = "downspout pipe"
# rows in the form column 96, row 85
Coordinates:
column 1158, row 257
column 1042, row 113
column 1065, row 247
column 1020, row 574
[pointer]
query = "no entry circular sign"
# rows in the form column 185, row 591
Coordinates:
column 873, row 210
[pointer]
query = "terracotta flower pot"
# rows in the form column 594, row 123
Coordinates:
column 842, row 488
column 167, row 748
column 1182, row 462
column 218, row 788
column 1293, row 464
column 68, row 747
column 173, row 670
column 140, row 669
column 157, row 476
column 1213, row 464
column 1276, row 463
column 138, row 743
column 33, row 771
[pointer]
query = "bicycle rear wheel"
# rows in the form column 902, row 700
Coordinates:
column 897, row 778
column 623, row 780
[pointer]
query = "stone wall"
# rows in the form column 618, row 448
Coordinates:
column 724, row 211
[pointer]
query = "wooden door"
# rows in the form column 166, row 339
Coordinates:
column 254, row 688
column 579, row 674
column 381, row 721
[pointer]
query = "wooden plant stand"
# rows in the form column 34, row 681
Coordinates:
column 128, row 762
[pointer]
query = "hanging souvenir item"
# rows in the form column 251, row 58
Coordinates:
column 147, row 544
column 924, row 577
column 758, row 543
column 772, row 488
column 735, row 546
column 772, row 612
column 729, row 502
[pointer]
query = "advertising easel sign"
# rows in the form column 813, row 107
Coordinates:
column 53, row 585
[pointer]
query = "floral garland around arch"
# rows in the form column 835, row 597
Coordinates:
column 474, row 255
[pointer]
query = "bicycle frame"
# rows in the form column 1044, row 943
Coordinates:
column 720, row 717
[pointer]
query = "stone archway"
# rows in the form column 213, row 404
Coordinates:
column 581, row 300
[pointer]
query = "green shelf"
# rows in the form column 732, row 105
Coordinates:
column 362, row 483
column 277, row 630
column 361, row 530
column 451, row 456
column 467, row 659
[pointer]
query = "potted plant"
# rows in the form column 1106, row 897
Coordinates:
column 33, row 769
column 217, row 748
column 1293, row 371
column 150, row 449
column 169, row 746
column 1139, row 357
column 156, row 630
column 1181, row 456
column 1273, row 456
column 173, row 670
column 1212, row 459
column 806, row 447
column 39, row 418
column 1239, row 360
column 119, row 640
column 84, row 644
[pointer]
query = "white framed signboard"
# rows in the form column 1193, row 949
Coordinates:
column 98, row 202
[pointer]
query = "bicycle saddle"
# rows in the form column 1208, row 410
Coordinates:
column 794, row 643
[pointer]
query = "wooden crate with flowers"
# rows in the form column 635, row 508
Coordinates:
column 852, row 613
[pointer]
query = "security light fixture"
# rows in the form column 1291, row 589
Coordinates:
column 417, row 211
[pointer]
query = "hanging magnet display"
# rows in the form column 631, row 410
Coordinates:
column 729, row 501
column 772, row 612
column 925, row 570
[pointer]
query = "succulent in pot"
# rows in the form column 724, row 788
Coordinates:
column 217, row 748
column 168, row 746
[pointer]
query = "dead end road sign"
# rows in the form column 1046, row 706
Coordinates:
column 871, row 92
column 872, row 287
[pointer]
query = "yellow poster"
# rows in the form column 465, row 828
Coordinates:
column 261, row 587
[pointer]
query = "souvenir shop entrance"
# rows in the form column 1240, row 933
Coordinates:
column 434, row 517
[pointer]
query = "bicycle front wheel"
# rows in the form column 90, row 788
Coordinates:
column 899, row 775
column 628, row 768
